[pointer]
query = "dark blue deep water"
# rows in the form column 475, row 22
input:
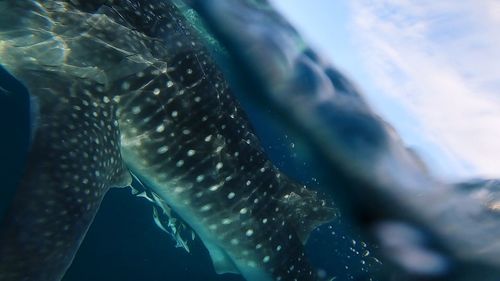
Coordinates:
column 124, row 243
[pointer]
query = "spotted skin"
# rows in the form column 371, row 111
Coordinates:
column 125, row 79
column 185, row 136
column 73, row 161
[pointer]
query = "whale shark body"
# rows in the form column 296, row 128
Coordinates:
column 129, row 88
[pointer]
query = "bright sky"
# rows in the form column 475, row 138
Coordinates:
column 430, row 68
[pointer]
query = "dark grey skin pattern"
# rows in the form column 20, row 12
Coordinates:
column 121, row 87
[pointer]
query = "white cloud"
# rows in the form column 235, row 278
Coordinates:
column 440, row 61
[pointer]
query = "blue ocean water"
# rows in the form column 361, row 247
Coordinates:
column 14, row 123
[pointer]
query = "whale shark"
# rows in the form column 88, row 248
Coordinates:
column 124, row 89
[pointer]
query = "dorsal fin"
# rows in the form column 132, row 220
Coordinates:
column 304, row 210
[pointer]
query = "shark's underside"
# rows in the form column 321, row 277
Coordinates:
column 121, row 87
